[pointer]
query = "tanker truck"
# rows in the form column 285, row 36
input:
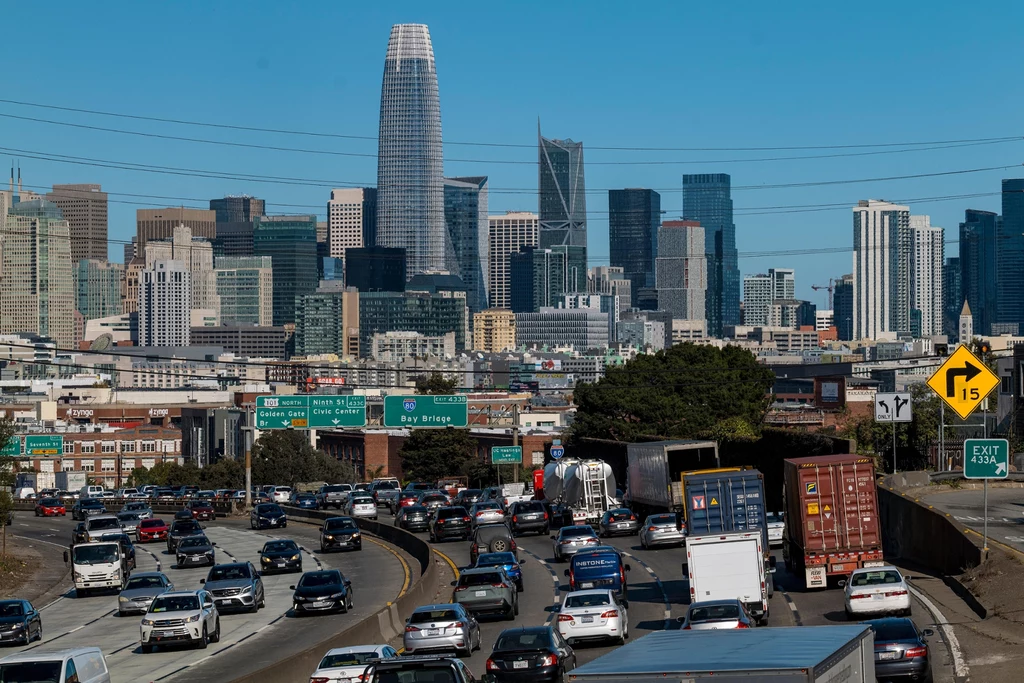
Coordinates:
column 587, row 487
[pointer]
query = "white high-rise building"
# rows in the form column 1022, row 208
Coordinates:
column 929, row 257
column 196, row 253
column 351, row 217
column 164, row 313
column 507, row 235
column 883, row 252
column 681, row 271
column 759, row 291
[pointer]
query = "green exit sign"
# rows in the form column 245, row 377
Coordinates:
column 505, row 455
column 986, row 459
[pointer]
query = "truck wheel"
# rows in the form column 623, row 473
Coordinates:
column 770, row 585
column 204, row 640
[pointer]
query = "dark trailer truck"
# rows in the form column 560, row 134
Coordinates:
column 655, row 470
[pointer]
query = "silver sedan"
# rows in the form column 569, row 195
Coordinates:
column 661, row 530
column 486, row 513
column 140, row 590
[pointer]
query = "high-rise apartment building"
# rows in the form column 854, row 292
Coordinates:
column 952, row 292
column 197, row 255
column 245, row 286
column 562, row 198
column 327, row 321
column 164, row 295
column 84, row 207
column 883, row 252
column 634, row 217
column 410, row 194
column 979, row 277
column 494, row 330
column 465, row 215
column 98, row 285
column 431, row 314
column 579, row 328
column 37, row 292
column 680, row 270
column 707, row 199
column 843, row 307
column 506, row 235
column 537, row 278
column 351, row 220
column 290, row 241
column 130, row 291
column 929, row 258
column 759, row 291
column 1010, row 257
column 159, row 224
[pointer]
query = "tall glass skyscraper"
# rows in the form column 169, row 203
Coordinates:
column 978, row 264
column 634, row 216
column 290, row 241
column 1010, row 266
column 707, row 198
column 563, row 200
column 465, row 214
column 410, row 191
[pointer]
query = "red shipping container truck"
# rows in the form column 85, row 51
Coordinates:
column 832, row 522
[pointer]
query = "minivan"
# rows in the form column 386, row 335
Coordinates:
column 600, row 567
column 91, row 492
column 82, row 664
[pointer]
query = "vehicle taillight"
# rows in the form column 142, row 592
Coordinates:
column 492, row 665
column 622, row 574
column 565, row 617
column 514, row 546
column 894, row 594
column 859, row 596
column 632, row 518
column 593, row 540
column 480, row 514
column 515, row 518
column 411, row 629
column 741, row 624
column 319, row 680
column 457, row 624
column 610, row 614
column 474, row 548
column 548, row 660
column 572, row 578
column 465, row 519
column 915, row 652
column 497, row 585
column 461, row 588
column 652, row 528
column 686, row 627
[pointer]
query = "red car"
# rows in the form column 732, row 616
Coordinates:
column 201, row 510
column 151, row 530
column 407, row 498
column 50, row 507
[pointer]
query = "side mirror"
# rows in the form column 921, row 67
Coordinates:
column 628, row 568
column 771, row 570
column 680, row 620
column 202, row 581
column 522, row 562
column 927, row 633
column 625, row 604
column 66, row 557
column 566, row 572
column 291, row 588
column 455, row 583
column 552, row 538
column 348, row 584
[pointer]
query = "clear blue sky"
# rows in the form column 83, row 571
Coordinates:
column 676, row 74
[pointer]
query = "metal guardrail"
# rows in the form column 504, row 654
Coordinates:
column 959, row 475
column 163, row 506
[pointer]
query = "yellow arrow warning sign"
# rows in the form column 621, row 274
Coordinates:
column 963, row 382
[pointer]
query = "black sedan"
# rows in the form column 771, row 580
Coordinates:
column 340, row 533
column 268, row 516
column 20, row 623
column 534, row 653
column 322, row 591
column 280, row 556
column 182, row 528
column 195, row 551
column 87, row 507
column 412, row 518
column 449, row 522
column 619, row 522
column 901, row 651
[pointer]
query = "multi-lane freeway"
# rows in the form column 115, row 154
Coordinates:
column 1005, row 512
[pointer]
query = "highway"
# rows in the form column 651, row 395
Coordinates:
column 1005, row 512
column 248, row 641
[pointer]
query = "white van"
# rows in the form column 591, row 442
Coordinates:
column 81, row 664
column 91, row 492
column 24, row 493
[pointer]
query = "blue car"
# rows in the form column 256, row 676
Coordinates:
column 506, row 561
column 304, row 500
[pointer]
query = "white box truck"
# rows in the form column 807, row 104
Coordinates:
column 728, row 566
column 98, row 566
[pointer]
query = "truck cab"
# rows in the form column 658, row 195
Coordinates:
column 98, row 566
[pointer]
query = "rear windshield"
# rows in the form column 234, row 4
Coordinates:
column 347, row 659
column 431, row 674
column 712, row 612
column 488, row 506
column 522, row 641
column 662, row 519
column 893, row 630
column 452, row 512
column 484, row 579
column 186, row 526
column 471, row 493
column 49, row 501
column 879, row 578
column 535, row 506
column 485, row 533
column 426, row 616
column 341, row 488
column 386, row 485
column 435, row 497
column 103, row 523
column 31, row 672
column 598, row 563
column 587, row 600
column 573, row 531
column 495, row 559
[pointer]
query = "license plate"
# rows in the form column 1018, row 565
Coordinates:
column 433, row 631
column 520, row 665
column 838, row 567
column 587, row 584
column 886, row 655
column 587, row 620
column 622, row 525
column 873, row 564
column 479, row 594
column 321, row 603
column 879, row 596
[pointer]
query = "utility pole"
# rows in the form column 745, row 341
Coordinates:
column 247, row 435
column 515, row 438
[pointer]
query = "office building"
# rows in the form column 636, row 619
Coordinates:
column 843, row 307
column 351, row 220
column 130, row 290
column 98, row 286
column 245, row 286
column 642, row 334
column 197, row 255
column 159, row 224
column 494, row 330
column 537, row 278
column 979, row 246
column 759, row 291
column 580, row 329
column 507, row 235
column 396, row 347
column 681, row 270
column 131, row 250
column 824, row 320
column 164, row 313
column 611, row 280
column 327, row 321
column 791, row 314
column 634, row 217
column 376, row 269
column 238, row 209
column 465, row 215
column 37, row 291
column 290, row 242
column 707, row 199
column 245, row 341
column 1010, row 256
column 429, row 314
column 410, row 193
column 883, row 246
column 84, row 207
column 606, row 303
column 563, row 199
column 929, row 258
column 952, row 292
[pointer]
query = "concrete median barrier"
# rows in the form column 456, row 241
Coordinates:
column 925, row 536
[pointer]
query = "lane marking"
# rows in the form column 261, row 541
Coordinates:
column 959, row 664
column 39, row 540
column 407, row 581
column 556, row 597
column 449, row 561
column 664, row 594
column 999, row 543
column 791, row 605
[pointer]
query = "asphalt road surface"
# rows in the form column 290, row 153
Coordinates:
column 1005, row 512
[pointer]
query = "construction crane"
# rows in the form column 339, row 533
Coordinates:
column 830, row 289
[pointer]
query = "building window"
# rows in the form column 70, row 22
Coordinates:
column 108, row 447
column 67, row 466
column 88, row 467
column 128, row 464
column 107, row 466
column 88, row 447
column 69, row 446
column 127, row 446
column 148, row 446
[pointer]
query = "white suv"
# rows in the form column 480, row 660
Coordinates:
column 181, row 617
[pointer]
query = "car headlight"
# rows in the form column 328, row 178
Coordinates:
column 264, row 559
column 121, row 598
column 328, row 537
column 147, row 622
column 355, row 535
column 194, row 618
column 337, row 596
column 209, row 553
column 247, row 589
column 296, row 556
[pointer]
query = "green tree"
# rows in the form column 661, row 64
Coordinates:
column 285, row 457
column 430, row 454
column 435, row 383
column 686, row 391
column 223, row 474
column 8, row 468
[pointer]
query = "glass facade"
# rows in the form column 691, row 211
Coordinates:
column 634, row 216
column 537, row 279
column 290, row 241
column 410, row 195
column 562, row 201
column 465, row 214
column 1010, row 256
column 978, row 271
column 952, row 296
column 98, row 288
column 429, row 314
column 843, row 307
column 245, row 286
column 707, row 198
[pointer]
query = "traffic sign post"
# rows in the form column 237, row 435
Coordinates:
column 426, row 411
column 506, row 455
column 893, row 408
column 310, row 412
column 963, row 381
column 557, row 452
column 44, row 444
column 986, row 459
column 12, row 447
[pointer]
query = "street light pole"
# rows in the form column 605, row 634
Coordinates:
column 247, row 432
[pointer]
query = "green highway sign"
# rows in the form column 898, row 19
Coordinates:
column 337, row 411
column 426, row 411
column 986, row 458
column 44, row 444
column 12, row 447
column 282, row 401
column 282, row 418
column 506, row 455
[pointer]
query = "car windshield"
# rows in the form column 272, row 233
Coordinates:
column 95, row 554
column 577, row 531
column 495, row 559
column 231, row 572
column 150, row 523
column 429, row 615
column 268, row 509
column 194, row 542
column 711, row 612
column 347, row 659
column 662, row 519
column 103, row 523
column 480, row 579
column 11, row 609
column 587, row 600
column 279, row 546
column 144, row 582
column 338, row 524
column 340, row 488
column 91, row 503
column 175, row 603
column 879, row 578
column 895, row 629
column 314, row 579
column 522, row 640
column 31, row 672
